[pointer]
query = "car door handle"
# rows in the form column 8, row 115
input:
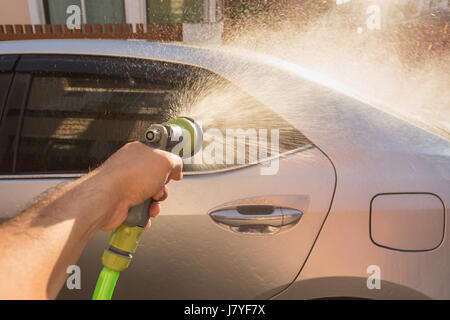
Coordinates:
column 256, row 219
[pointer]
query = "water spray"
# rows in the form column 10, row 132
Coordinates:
column 182, row 136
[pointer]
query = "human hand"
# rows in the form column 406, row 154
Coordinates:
column 134, row 174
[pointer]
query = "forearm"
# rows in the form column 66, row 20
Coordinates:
column 38, row 245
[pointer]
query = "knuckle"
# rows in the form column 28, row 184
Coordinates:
column 131, row 145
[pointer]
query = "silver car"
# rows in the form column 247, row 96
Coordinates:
column 353, row 203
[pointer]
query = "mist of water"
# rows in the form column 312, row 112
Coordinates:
column 405, row 72
column 402, row 74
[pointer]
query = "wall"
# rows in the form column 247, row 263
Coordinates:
column 14, row 12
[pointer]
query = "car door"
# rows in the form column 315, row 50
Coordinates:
column 237, row 226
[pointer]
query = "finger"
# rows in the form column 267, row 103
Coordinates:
column 162, row 194
column 178, row 175
column 176, row 163
column 165, row 194
column 157, row 196
column 154, row 209
column 149, row 223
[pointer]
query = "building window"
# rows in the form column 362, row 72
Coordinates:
column 129, row 11
column 105, row 11
column 174, row 11
column 93, row 11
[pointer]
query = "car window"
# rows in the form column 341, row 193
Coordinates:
column 5, row 80
column 7, row 63
column 7, row 137
column 73, row 120
column 84, row 119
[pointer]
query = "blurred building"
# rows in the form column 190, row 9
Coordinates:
column 269, row 13
column 201, row 19
column 416, row 29
column 212, row 20
column 357, row 13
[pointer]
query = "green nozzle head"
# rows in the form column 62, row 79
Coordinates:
column 192, row 136
column 181, row 135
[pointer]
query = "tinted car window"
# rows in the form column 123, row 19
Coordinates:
column 73, row 119
column 7, row 63
column 84, row 119
column 5, row 80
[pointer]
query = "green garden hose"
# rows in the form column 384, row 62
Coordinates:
column 105, row 284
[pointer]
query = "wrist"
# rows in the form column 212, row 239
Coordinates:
column 99, row 196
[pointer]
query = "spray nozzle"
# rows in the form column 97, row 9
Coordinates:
column 181, row 135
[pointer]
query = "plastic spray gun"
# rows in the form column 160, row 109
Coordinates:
column 182, row 136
